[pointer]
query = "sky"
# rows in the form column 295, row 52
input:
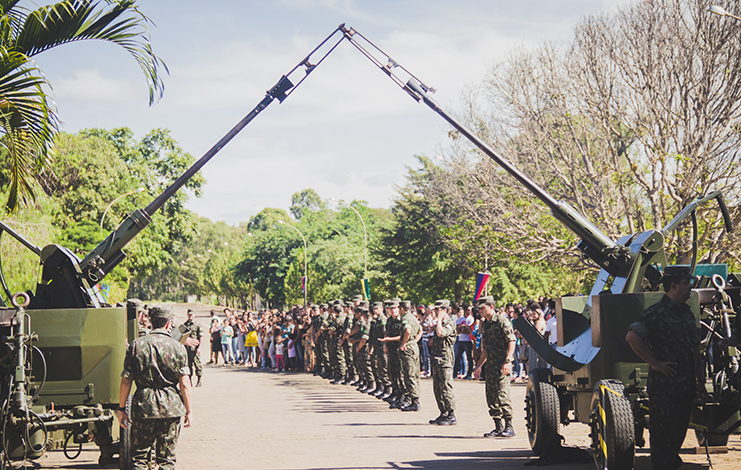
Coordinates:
column 348, row 131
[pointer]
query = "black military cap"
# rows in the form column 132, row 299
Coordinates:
column 488, row 300
column 135, row 303
column 442, row 303
column 161, row 312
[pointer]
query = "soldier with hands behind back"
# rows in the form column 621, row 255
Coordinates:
column 441, row 358
column 158, row 365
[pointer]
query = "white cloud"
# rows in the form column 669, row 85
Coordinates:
column 90, row 85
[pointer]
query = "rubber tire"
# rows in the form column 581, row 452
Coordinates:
column 124, row 443
column 618, row 430
column 714, row 440
column 542, row 410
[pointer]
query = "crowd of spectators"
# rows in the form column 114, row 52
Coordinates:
column 283, row 340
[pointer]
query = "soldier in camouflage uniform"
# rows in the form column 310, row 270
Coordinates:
column 497, row 353
column 665, row 336
column 157, row 364
column 337, row 329
column 380, row 358
column 191, row 346
column 391, row 341
column 362, row 350
column 347, row 331
column 441, row 358
column 409, row 357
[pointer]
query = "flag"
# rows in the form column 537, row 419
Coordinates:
column 303, row 284
column 481, row 280
column 365, row 284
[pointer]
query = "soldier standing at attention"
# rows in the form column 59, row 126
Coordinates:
column 157, row 364
column 380, row 358
column 338, row 329
column 441, row 358
column 192, row 344
column 391, row 342
column 497, row 353
column 409, row 355
column 666, row 338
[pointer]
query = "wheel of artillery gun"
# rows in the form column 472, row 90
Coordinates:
column 542, row 410
column 124, row 442
column 613, row 427
column 714, row 440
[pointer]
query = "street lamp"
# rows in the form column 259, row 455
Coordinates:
column 137, row 190
column 217, row 254
column 719, row 10
column 365, row 243
column 306, row 275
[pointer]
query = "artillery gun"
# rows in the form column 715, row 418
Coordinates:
column 64, row 388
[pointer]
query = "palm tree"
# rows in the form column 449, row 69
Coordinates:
column 28, row 120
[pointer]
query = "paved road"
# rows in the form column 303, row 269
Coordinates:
column 253, row 419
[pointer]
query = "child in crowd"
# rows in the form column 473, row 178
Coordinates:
column 279, row 364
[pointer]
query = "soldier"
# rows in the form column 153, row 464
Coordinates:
column 362, row 349
column 337, row 329
column 380, row 358
column 409, row 357
column 391, row 342
column 347, row 331
column 441, row 358
column 157, row 364
column 665, row 336
column 497, row 353
column 192, row 343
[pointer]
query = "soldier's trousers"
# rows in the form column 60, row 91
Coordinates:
column 410, row 370
column 380, row 367
column 497, row 392
column 340, row 359
column 442, row 385
column 395, row 368
column 349, row 358
column 323, row 341
column 194, row 362
column 145, row 432
column 669, row 415
column 364, row 365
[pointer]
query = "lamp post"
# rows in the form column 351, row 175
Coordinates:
column 719, row 10
column 365, row 245
column 137, row 190
column 217, row 254
column 306, row 275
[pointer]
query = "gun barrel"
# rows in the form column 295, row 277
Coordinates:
column 597, row 240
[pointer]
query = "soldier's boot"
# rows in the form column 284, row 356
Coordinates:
column 449, row 419
column 437, row 420
column 413, row 405
column 386, row 394
column 378, row 393
column 354, row 380
column 498, row 428
column 508, row 430
column 371, row 389
column 318, row 371
column 395, row 402
column 392, row 397
column 362, row 387
column 199, row 382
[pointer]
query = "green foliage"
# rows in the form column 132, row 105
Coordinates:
column 305, row 201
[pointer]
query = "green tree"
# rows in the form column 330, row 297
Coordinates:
column 28, row 120
column 305, row 201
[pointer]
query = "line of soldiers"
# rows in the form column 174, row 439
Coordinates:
column 376, row 349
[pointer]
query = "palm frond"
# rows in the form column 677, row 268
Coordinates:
column 120, row 23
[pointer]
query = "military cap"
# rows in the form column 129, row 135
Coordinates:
column 365, row 304
column 135, row 303
column 392, row 303
column 161, row 312
column 358, row 298
column 324, row 306
column 679, row 272
column 442, row 303
column 488, row 300
column 405, row 304
column 338, row 302
column 190, row 310
column 377, row 304
column 362, row 308
column 337, row 308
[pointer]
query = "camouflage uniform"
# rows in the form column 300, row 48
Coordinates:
column 409, row 358
column 380, row 358
column 441, row 355
column 496, row 334
column 394, row 328
column 338, row 327
column 363, row 356
column 348, row 348
column 671, row 334
column 155, row 363
column 194, row 359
